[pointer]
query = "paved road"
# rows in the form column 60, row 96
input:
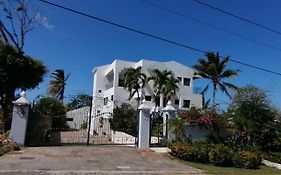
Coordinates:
column 91, row 160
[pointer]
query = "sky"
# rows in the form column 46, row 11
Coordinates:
column 77, row 44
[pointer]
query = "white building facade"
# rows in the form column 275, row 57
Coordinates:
column 108, row 90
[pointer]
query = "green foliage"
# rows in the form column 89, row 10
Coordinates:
column 203, row 118
column 125, row 120
column 247, row 159
column 177, row 127
column 58, row 83
column 214, row 69
column 164, row 83
column 220, row 155
column 84, row 125
column 273, row 157
column 4, row 150
column 79, row 101
column 254, row 119
column 51, row 108
column 17, row 71
column 134, row 80
column 196, row 152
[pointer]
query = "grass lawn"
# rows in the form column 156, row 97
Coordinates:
column 3, row 150
column 264, row 170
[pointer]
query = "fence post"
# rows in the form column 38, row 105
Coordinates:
column 169, row 113
column 20, row 118
column 144, row 125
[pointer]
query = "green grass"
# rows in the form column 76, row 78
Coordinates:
column 264, row 170
column 3, row 150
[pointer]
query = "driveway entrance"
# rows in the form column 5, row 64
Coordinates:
column 106, row 159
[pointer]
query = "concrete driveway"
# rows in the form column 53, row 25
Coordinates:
column 91, row 160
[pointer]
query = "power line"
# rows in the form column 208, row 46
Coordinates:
column 239, row 17
column 210, row 25
column 151, row 35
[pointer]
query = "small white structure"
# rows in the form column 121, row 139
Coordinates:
column 20, row 118
column 108, row 90
column 76, row 117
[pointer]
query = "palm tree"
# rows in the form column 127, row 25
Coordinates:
column 57, row 85
column 215, row 70
column 134, row 80
column 164, row 85
column 170, row 88
column 177, row 126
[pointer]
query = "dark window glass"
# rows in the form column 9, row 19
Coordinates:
column 105, row 100
column 147, row 98
column 177, row 102
column 186, row 81
column 69, row 119
column 99, row 91
column 111, row 97
column 121, row 82
column 186, row 103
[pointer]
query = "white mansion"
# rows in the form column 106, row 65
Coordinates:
column 109, row 91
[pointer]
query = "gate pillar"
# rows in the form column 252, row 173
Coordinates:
column 169, row 113
column 144, row 123
column 20, row 118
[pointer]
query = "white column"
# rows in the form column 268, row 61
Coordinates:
column 169, row 113
column 144, row 123
column 20, row 118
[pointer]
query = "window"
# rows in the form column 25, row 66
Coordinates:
column 121, row 82
column 177, row 102
column 186, row 81
column 99, row 91
column 69, row 119
column 147, row 98
column 186, row 103
column 105, row 100
column 98, row 111
column 111, row 98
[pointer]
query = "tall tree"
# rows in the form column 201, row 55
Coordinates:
column 79, row 101
column 214, row 69
column 170, row 87
column 20, row 20
column 17, row 71
column 134, row 80
column 58, row 83
column 164, row 84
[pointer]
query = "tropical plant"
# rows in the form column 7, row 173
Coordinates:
column 134, row 80
column 253, row 119
column 214, row 69
column 57, row 85
column 125, row 119
column 164, row 85
column 17, row 71
column 79, row 101
column 177, row 127
column 51, row 108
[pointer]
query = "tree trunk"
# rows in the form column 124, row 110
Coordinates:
column 161, row 100
column 214, row 95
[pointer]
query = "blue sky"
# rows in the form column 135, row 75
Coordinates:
column 77, row 44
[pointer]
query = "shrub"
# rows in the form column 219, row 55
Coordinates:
column 177, row 149
column 196, row 152
column 273, row 157
column 84, row 125
column 220, row 155
column 247, row 159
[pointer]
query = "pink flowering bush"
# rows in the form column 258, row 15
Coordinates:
column 198, row 117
